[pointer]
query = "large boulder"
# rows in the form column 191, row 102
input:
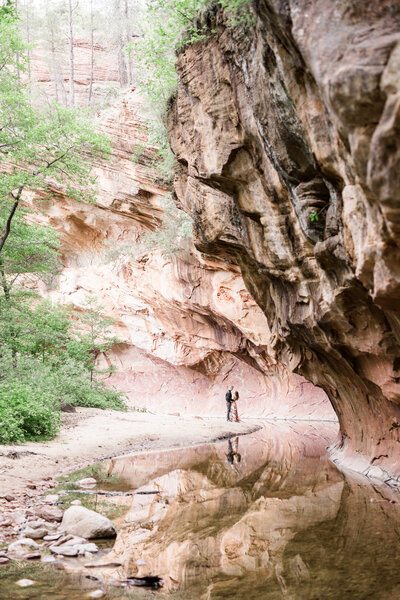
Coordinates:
column 86, row 523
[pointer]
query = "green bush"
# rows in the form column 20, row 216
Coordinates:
column 46, row 362
column 25, row 414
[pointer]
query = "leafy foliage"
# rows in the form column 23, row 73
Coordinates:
column 24, row 413
column 47, row 358
column 169, row 25
column 40, row 148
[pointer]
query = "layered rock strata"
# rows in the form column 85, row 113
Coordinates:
column 287, row 139
column 187, row 323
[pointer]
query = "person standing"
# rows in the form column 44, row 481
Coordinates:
column 228, row 399
column 233, row 413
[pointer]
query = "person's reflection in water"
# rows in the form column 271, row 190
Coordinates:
column 233, row 451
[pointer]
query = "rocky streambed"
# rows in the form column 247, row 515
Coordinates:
column 263, row 515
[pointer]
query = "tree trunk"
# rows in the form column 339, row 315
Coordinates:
column 4, row 282
column 53, row 64
column 28, row 40
column 71, row 57
column 16, row 198
column 128, row 39
column 11, row 331
column 122, row 70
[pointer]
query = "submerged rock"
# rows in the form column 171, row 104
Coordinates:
column 79, row 520
column 96, row 594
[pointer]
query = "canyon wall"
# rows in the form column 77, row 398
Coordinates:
column 287, row 137
column 187, row 324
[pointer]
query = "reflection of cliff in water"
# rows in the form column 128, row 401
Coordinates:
column 280, row 522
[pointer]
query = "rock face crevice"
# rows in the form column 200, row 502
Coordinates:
column 287, row 139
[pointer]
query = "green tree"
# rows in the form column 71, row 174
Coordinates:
column 46, row 360
column 47, row 148
column 95, row 336
column 41, row 150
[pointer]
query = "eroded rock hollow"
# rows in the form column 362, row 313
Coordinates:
column 288, row 144
column 187, row 323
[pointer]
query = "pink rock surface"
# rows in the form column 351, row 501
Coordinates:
column 188, row 324
column 287, row 139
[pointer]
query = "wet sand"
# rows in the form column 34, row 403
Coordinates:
column 91, row 434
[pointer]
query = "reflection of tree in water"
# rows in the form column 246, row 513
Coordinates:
column 233, row 451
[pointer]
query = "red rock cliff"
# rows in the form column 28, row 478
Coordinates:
column 188, row 324
column 288, row 140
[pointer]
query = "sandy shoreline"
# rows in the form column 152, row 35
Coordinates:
column 90, row 435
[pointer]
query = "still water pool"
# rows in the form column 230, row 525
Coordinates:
column 264, row 516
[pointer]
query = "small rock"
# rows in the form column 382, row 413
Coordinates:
column 88, row 481
column 31, row 486
column 48, row 559
column 50, row 513
column 33, row 556
column 96, row 594
column 68, row 408
column 51, row 498
column 88, row 548
column 9, row 498
column 76, row 503
column 52, row 538
column 140, row 561
column 20, row 547
column 35, row 523
column 25, row 582
column 35, row 534
column 118, row 583
column 18, row 518
column 103, row 565
column 4, row 560
column 64, row 550
column 71, row 539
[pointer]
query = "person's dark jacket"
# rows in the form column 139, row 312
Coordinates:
column 228, row 396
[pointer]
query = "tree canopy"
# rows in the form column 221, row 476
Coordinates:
column 47, row 352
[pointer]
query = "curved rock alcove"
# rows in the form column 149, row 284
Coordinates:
column 287, row 141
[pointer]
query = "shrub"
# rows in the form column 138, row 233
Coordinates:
column 25, row 413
